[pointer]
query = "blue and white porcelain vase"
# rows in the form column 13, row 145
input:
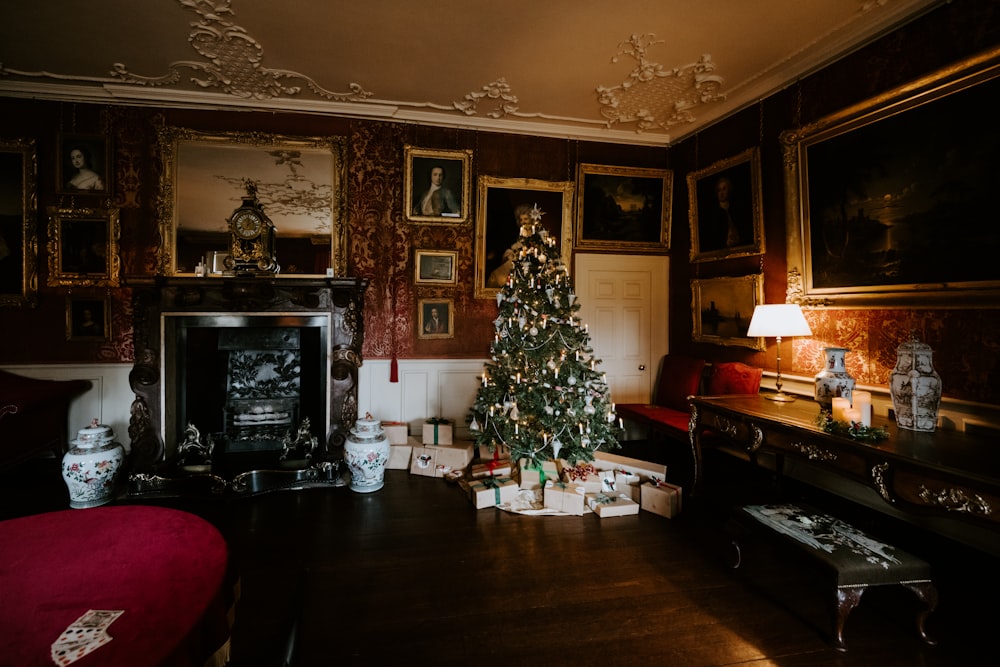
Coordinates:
column 915, row 387
column 833, row 381
column 366, row 453
column 92, row 465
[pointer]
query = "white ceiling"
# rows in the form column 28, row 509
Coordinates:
column 627, row 71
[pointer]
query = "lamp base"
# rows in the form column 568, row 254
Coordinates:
column 781, row 397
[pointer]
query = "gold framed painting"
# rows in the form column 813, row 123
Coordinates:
column 436, row 318
column 88, row 319
column 724, row 209
column 435, row 267
column 18, row 238
column 301, row 183
column 437, row 185
column 83, row 247
column 721, row 309
column 623, row 209
column 504, row 205
column 875, row 218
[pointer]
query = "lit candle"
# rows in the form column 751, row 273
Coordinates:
column 484, row 379
column 838, row 407
column 852, row 415
column 863, row 404
column 515, row 429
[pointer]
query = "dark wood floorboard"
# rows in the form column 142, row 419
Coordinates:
column 413, row 574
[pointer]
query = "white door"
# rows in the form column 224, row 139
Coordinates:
column 623, row 301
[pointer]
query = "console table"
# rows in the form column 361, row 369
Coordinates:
column 945, row 473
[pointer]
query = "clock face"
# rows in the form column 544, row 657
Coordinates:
column 247, row 224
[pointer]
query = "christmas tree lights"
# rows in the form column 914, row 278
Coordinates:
column 541, row 394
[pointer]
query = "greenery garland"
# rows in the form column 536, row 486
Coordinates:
column 853, row 430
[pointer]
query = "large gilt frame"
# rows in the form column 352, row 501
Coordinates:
column 83, row 247
column 607, row 219
column 417, row 163
column 861, row 228
column 721, row 309
column 226, row 153
column 18, row 170
column 501, row 197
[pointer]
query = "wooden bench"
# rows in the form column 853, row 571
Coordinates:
column 856, row 559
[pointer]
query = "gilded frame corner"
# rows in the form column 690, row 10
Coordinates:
column 83, row 247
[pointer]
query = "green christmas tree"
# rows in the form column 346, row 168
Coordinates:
column 542, row 395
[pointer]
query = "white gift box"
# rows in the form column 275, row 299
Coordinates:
column 605, row 505
column 564, row 497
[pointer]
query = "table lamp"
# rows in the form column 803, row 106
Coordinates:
column 776, row 320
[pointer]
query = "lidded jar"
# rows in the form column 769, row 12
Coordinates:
column 915, row 386
column 366, row 452
column 91, row 466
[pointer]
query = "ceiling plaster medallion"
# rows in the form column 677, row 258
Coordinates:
column 653, row 96
column 235, row 62
column 498, row 90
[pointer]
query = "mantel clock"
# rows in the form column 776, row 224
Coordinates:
column 251, row 239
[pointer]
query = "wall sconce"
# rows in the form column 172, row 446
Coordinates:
column 776, row 321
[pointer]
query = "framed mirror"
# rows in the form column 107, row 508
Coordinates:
column 301, row 182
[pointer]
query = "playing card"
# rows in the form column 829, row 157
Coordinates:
column 85, row 635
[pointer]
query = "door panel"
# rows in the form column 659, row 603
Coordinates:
column 626, row 311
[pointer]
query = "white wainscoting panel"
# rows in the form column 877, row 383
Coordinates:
column 109, row 398
column 444, row 388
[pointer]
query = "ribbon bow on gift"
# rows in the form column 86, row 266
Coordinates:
column 436, row 421
column 580, row 471
column 491, row 483
column 602, row 499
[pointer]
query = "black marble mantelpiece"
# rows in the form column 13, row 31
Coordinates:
column 153, row 447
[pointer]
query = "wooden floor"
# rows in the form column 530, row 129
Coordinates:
column 413, row 574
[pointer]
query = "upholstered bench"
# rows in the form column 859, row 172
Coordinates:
column 856, row 560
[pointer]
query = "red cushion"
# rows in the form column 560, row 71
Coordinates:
column 734, row 377
column 680, row 377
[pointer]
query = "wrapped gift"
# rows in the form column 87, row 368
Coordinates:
column 535, row 476
column 492, row 468
column 563, row 497
column 584, row 474
column 492, row 491
column 644, row 469
column 661, row 498
column 605, row 505
column 399, row 457
column 397, row 432
column 425, row 458
column 497, row 452
column 442, row 471
column 609, row 482
column 629, row 483
column 437, row 432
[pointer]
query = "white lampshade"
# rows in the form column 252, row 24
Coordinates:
column 778, row 320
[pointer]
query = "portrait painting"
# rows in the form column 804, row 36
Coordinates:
column 435, row 267
column 721, row 309
column 83, row 247
column 505, row 206
column 18, row 251
column 724, row 208
column 87, row 319
column 82, row 165
column 436, row 318
column 436, row 185
column 623, row 209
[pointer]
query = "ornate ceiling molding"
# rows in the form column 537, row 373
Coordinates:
column 235, row 62
column 656, row 97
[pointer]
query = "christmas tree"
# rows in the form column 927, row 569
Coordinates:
column 542, row 395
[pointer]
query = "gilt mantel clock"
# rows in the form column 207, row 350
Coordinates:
column 251, row 239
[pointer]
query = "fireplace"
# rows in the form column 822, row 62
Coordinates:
column 245, row 374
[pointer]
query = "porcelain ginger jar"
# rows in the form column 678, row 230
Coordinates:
column 366, row 453
column 92, row 465
column 915, row 387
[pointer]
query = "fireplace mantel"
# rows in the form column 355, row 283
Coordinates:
column 339, row 299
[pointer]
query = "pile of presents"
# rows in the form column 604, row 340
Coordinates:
column 610, row 485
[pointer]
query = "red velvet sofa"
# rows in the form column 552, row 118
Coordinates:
column 33, row 416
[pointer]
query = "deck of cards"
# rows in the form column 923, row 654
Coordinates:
column 85, row 635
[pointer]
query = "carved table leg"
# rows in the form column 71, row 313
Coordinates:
column 927, row 593
column 847, row 599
